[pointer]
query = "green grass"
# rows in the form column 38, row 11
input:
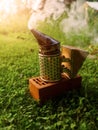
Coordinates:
column 76, row 110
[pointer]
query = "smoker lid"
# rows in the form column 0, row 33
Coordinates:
column 47, row 44
column 43, row 39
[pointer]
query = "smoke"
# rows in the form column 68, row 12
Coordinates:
column 55, row 9
column 76, row 20
column 51, row 8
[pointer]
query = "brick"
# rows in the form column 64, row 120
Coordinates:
column 42, row 91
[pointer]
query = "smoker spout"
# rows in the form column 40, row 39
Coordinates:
column 46, row 43
column 43, row 39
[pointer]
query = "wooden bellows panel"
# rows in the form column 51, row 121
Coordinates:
column 73, row 59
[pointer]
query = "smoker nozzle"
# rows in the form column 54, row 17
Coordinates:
column 47, row 44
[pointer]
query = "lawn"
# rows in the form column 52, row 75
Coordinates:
column 76, row 110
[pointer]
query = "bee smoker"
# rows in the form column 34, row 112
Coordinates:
column 58, row 68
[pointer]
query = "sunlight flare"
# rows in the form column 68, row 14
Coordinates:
column 7, row 7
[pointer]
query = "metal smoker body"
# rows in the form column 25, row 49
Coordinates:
column 49, row 57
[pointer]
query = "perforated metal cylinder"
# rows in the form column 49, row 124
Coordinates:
column 50, row 67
